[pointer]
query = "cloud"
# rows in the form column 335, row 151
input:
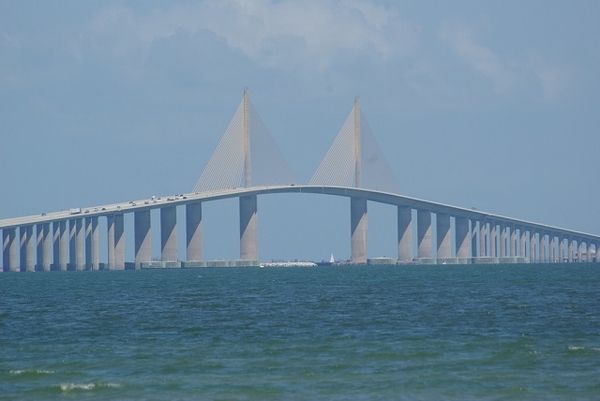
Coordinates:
column 481, row 59
column 552, row 80
column 285, row 34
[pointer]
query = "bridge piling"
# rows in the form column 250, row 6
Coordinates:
column 193, row 228
column 405, row 251
column 503, row 236
column 513, row 241
column 27, row 262
column 443, row 236
column 168, row 234
column 95, row 244
column 248, row 228
column 358, row 229
column 462, row 237
column 493, row 239
column 142, row 237
column 119, row 241
column 424, row 233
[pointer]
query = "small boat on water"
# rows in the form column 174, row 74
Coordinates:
column 324, row 263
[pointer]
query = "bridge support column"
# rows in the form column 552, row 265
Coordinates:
column 533, row 246
column 168, row 234
column 405, row 250
column 63, row 255
column 79, row 241
column 570, row 250
column 110, row 231
column 248, row 228
column 523, row 242
column 588, row 248
column 193, row 230
column 579, row 250
column 513, row 241
column 9, row 249
column 493, row 239
column 552, row 254
column 424, row 233
column 474, row 235
column 503, row 236
column 119, row 231
column 142, row 237
column 358, row 229
column 561, row 249
column 462, row 237
column 27, row 262
column 443, row 236
column 92, row 254
column 483, row 239
column 73, row 244
column 55, row 245
column 543, row 247
column 43, row 246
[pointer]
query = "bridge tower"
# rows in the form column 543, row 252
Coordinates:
column 358, row 205
column 248, row 204
column 247, row 155
column 343, row 166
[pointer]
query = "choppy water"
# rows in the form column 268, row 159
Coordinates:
column 428, row 333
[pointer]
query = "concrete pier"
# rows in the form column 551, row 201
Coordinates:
column 168, row 234
column 72, row 244
column 92, row 244
column 79, row 243
column 493, row 239
column 142, row 237
column 443, row 236
column 523, row 242
column 474, row 235
column 542, row 247
column 513, row 241
column 248, row 228
column 483, row 239
column 43, row 247
column 503, row 236
column 462, row 237
column 405, row 250
column 110, row 240
column 27, row 262
column 570, row 250
column 424, row 234
column 119, row 230
column 533, row 247
column 193, row 230
column 63, row 254
column 9, row 249
column 358, row 230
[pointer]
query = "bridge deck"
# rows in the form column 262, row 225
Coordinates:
column 371, row 195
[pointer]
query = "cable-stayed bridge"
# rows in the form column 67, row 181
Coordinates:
column 246, row 164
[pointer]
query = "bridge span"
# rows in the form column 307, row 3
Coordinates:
column 246, row 164
column 69, row 240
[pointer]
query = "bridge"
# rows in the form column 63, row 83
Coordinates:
column 248, row 163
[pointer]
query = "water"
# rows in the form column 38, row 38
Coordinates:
column 336, row 333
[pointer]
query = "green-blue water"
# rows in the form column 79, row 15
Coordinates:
column 390, row 332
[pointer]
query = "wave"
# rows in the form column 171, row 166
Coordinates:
column 31, row 372
column 66, row 387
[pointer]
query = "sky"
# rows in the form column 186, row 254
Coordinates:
column 492, row 105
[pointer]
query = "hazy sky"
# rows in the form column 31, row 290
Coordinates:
column 492, row 105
